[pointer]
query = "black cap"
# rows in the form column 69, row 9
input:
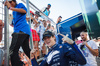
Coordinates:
column 37, row 13
column 47, row 34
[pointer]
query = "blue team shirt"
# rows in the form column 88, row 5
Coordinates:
column 19, row 20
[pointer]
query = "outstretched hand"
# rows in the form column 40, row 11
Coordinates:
column 66, row 39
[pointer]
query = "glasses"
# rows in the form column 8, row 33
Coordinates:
column 10, row 1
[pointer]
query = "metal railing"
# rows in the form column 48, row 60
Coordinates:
column 33, row 7
column 36, row 9
column 6, row 27
column 6, row 36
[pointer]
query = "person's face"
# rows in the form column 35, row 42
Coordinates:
column 12, row 3
column 48, row 6
column 83, row 36
column 45, row 24
column 49, row 41
column 60, row 18
column 52, row 28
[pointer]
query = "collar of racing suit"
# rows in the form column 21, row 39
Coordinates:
column 50, row 49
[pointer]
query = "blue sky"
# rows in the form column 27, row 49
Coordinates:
column 65, row 8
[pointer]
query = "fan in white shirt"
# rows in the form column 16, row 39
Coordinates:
column 89, row 49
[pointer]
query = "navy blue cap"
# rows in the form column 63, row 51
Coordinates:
column 37, row 13
column 12, row 0
column 47, row 34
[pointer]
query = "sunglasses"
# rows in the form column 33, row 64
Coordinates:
column 10, row 1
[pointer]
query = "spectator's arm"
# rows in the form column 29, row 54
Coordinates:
column 47, row 28
column 29, row 62
column 11, row 25
column 36, row 22
column 95, row 52
column 43, row 9
column 18, row 10
column 1, row 26
column 58, row 20
column 28, row 18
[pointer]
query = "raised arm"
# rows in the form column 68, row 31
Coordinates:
column 18, row 10
column 21, row 10
column 93, row 50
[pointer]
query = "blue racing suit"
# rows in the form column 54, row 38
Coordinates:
column 60, row 55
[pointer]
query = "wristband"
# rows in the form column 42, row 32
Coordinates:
column 9, row 8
